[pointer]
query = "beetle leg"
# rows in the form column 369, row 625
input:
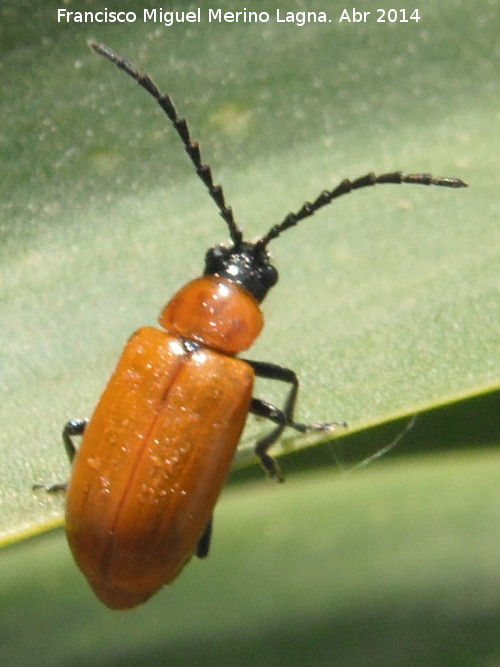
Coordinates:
column 263, row 409
column 204, row 544
column 281, row 417
column 71, row 429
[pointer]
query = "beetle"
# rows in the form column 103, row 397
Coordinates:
column 157, row 450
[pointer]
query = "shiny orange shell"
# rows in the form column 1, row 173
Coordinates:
column 152, row 464
column 214, row 311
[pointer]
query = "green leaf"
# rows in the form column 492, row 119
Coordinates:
column 388, row 302
column 394, row 565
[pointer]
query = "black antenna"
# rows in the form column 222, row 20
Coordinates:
column 204, row 172
column 181, row 126
column 325, row 197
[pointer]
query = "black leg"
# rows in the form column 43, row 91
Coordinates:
column 281, row 417
column 204, row 544
column 75, row 427
column 51, row 488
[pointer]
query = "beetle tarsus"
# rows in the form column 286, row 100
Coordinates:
column 51, row 488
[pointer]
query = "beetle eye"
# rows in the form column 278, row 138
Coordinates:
column 271, row 277
column 213, row 259
column 209, row 260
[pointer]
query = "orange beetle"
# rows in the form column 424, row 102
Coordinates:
column 156, row 452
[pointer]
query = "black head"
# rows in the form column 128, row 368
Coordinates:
column 247, row 264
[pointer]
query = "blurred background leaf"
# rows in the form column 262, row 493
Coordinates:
column 387, row 305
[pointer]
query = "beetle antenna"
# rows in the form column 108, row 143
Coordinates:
column 309, row 208
column 180, row 124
